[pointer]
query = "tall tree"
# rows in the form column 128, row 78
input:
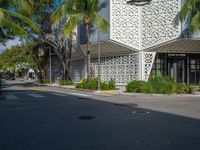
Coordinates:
column 64, row 35
column 190, row 12
column 17, row 56
column 86, row 11
column 41, row 57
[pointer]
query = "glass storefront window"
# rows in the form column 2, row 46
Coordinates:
column 192, row 61
column 185, row 68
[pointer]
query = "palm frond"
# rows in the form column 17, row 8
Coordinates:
column 27, row 21
column 71, row 24
column 16, row 29
column 23, row 18
column 195, row 23
column 1, row 16
column 190, row 14
column 58, row 15
column 185, row 10
column 101, row 23
column 25, row 7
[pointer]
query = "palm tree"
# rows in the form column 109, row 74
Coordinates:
column 12, row 16
column 86, row 11
column 190, row 12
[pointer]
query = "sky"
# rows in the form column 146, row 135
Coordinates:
column 9, row 44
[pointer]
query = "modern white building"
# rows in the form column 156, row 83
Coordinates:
column 142, row 40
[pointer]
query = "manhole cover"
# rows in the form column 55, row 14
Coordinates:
column 126, row 105
column 83, row 98
column 141, row 112
column 86, row 117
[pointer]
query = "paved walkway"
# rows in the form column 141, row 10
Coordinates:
column 121, row 90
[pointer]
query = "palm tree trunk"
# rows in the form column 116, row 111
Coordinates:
column 87, row 25
column 64, row 70
column 69, row 57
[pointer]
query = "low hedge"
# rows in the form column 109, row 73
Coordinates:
column 45, row 81
column 160, row 85
column 92, row 84
column 136, row 86
column 66, row 82
column 108, row 85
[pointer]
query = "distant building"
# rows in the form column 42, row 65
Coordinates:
column 142, row 41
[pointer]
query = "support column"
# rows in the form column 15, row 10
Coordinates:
column 140, row 65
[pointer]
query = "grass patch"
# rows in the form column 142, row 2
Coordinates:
column 66, row 82
column 45, row 82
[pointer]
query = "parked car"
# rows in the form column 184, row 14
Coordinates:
column 10, row 76
column 2, row 75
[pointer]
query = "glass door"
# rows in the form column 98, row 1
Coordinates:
column 177, row 69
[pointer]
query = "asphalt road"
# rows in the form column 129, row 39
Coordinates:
column 49, row 120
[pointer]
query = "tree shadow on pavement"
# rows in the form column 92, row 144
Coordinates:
column 76, row 123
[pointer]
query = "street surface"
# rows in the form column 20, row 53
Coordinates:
column 50, row 118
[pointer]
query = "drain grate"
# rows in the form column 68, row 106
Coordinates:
column 86, row 117
column 84, row 98
column 141, row 112
column 126, row 105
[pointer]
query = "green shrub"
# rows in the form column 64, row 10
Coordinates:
column 180, row 88
column 69, row 82
column 45, row 82
column 62, row 82
column 79, row 85
column 160, row 84
column 135, row 86
column 189, row 89
column 66, row 82
column 92, row 84
column 148, row 88
column 104, row 86
column 111, row 85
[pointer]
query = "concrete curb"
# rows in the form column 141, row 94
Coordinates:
column 160, row 95
column 66, row 87
column 112, row 92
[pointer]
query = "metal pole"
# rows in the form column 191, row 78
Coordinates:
column 50, row 75
column 99, row 61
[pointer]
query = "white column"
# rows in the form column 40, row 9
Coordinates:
column 141, row 65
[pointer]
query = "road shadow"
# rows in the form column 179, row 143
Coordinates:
column 80, row 123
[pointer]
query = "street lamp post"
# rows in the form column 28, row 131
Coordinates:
column 50, row 68
column 99, row 61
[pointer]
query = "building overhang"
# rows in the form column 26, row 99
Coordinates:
column 108, row 48
column 177, row 46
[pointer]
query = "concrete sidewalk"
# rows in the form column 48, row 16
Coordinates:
column 121, row 90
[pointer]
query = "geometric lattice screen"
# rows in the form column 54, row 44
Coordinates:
column 147, row 64
column 122, row 69
column 141, row 27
